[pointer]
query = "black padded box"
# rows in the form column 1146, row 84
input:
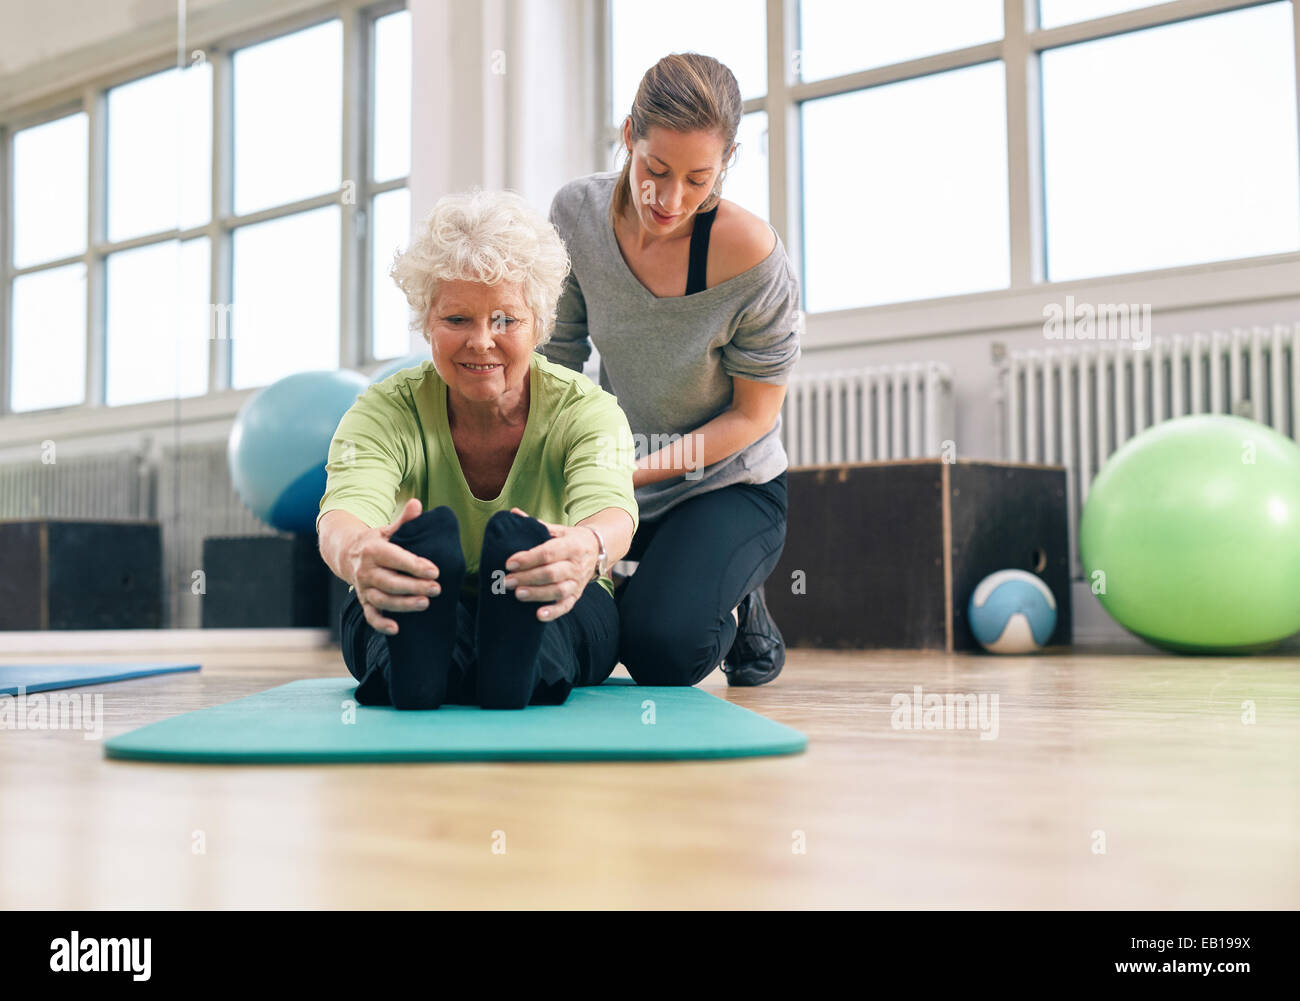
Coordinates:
column 264, row 582
column 63, row 573
column 889, row 553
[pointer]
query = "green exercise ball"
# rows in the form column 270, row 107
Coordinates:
column 1195, row 525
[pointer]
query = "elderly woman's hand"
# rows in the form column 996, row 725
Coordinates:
column 388, row 577
column 557, row 571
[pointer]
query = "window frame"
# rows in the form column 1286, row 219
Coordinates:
column 217, row 46
column 1020, row 303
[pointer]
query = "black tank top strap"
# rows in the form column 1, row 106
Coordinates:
column 697, row 269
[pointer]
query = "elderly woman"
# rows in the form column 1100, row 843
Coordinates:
column 475, row 503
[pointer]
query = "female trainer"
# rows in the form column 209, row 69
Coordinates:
column 694, row 309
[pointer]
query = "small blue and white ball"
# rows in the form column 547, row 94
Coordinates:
column 1012, row 611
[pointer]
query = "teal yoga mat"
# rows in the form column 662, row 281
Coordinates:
column 47, row 677
column 318, row 721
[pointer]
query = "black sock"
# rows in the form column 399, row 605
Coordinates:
column 508, row 630
column 420, row 653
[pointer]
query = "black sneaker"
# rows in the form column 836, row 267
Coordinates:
column 758, row 653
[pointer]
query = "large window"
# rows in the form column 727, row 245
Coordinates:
column 939, row 148
column 286, row 296
column 50, row 188
column 1174, row 145
column 288, row 117
column 233, row 226
column 160, row 153
column 159, row 182
column 288, row 273
column 897, row 210
column 837, row 37
column 156, row 324
column 47, row 312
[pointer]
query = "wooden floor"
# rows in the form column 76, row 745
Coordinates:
column 1197, row 809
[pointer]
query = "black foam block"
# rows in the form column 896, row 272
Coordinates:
column 264, row 581
column 79, row 574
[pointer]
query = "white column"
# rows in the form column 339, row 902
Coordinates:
column 503, row 95
column 555, row 81
column 447, row 127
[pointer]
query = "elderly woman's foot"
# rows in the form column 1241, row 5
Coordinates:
column 420, row 652
column 508, row 630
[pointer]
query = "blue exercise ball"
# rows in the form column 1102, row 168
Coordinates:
column 1012, row 611
column 397, row 364
column 280, row 442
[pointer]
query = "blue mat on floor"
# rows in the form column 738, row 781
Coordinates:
column 318, row 721
column 47, row 677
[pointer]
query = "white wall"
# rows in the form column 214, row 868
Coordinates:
column 36, row 32
column 48, row 46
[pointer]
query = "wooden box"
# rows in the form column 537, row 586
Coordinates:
column 264, row 582
column 63, row 573
column 887, row 554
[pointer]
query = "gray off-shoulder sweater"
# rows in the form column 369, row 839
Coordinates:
column 670, row 360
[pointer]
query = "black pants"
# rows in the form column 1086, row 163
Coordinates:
column 695, row 564
column 579, row 648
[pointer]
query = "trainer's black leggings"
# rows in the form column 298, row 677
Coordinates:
column 695, row 564
column 579, row 648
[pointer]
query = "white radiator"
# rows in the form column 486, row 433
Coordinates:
column 109, row 487
column 195, row 499
column 1076, row 406
column 867, row 414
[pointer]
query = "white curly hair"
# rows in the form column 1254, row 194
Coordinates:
column 488, row 237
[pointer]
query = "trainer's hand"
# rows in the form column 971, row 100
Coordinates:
column 388, row 578
column 557, row 571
